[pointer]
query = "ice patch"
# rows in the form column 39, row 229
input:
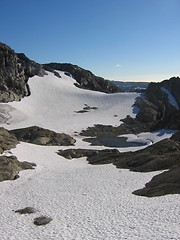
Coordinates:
column 171, row 98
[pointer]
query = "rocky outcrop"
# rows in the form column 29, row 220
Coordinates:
column 7, row 140
column 41, row 136
column 167, row 182
column 10, row 167
column 93, row 156
column 85, row 78
column 15, row 70
column 160, row 156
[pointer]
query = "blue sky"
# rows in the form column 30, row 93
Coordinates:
column 130, row 40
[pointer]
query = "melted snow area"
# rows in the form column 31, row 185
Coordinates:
column 84, row 201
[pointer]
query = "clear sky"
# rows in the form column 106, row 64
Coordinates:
column 130, row 40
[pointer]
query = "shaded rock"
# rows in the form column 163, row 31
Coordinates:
column 15, row 70
column 7, row 140
column 160, row 156
column 165, row 183
column 77, row 153
column 10, row 167
column 85, row 78
column 41, row 136
column 93, row 156
column 43, row 220
column 26, row 210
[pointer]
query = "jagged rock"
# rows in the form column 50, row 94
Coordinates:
column 26, row 210
column 10, row 167
column 85, row 78
column 167, row 182
column 15, row 69
column 7, row 140
column 43, row 220
column 41, row 136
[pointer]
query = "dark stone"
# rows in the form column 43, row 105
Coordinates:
column 26, row 210
column 85, row 78
column 41, row 136
column 43, row 220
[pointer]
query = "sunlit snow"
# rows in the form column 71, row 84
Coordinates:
column 84, row 201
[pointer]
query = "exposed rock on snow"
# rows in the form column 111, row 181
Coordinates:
column 162, row 155
column 10, row 167
column 167, row 182
column 43, row 220
column 7, row 140
column 26, row 210
column 93, row 156
column 41, row 136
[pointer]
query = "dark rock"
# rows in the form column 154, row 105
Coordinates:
column 43, row 220
column 26, row 210
column 10, row 167
column 85, row 78
column 15, row 70
column 167, row 182
column 93, row 156
column 41, row 136
column 160, row 156
column 7, row 140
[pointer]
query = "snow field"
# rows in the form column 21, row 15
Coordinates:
column 84, row 201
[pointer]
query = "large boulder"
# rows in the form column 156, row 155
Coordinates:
column 41, row 136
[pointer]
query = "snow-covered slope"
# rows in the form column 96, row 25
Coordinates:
column 54, row 103
column 84, row 201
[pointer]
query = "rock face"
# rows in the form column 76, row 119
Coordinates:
column 15, row 69
column 85, row 78
column 41, row 136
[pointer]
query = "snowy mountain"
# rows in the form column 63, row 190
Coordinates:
column 81, row 200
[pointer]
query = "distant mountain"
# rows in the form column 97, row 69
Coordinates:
column 131, row 86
